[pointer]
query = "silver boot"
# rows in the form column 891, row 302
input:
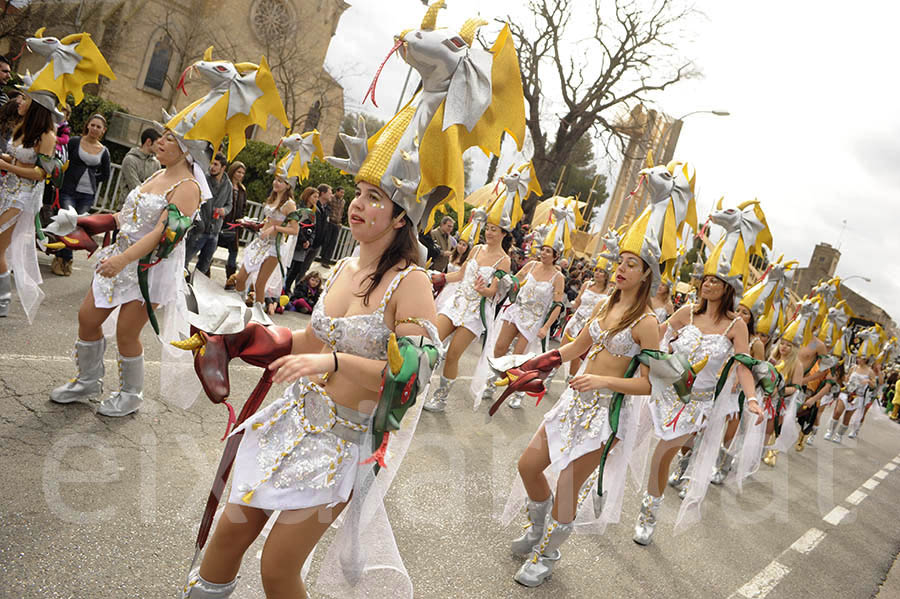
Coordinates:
column 88, row 382
column 723, row 466
column 438, row 401
column 198, row 588
column 515, row 400
column 646, row 521
column 676, row 479
column 839, row 433
column 130, row 394
column 854, row 433
column 537, row 514
column 829, row 432
column 812, row 435
column 5, row 293
column 538, row 568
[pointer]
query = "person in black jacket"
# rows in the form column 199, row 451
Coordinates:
column 88, row 168
column 318, row 239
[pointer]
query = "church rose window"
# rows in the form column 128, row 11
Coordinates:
column 272, row 20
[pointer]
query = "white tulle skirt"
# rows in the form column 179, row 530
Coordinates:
column 21, row 255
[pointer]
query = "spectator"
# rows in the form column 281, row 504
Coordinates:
column 88, row 169
column 441, row 237
column 5, row 76
column 563, row 266
column 9, row 120
column 228, row 238
column 333, row 227
column 139, row 163
column 306, row 293
column 318, row 238
column 432, row 251
column 516, row 259
column 204, row 236
column 309, row 200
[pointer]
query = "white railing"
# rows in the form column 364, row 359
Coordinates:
column 110, row 197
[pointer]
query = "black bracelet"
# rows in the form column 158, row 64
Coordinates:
column 334, row 355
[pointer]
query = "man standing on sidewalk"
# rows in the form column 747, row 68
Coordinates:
column 139, row 163
column 204, row 236
column 335, row 218
column 441, row 237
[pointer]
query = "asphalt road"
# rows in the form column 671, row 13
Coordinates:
column 93, row 507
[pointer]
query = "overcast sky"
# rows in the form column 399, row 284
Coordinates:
column 814, row 132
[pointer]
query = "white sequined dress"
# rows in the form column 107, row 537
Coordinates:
column 531, row 306
column 589, row 301
column 259, row 249
column 139, row 215
column 463, row 307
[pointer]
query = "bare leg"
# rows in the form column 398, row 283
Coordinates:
column 458, row 345
column 507, row 333
column 848, row 414
column 534, row 460
column 659, row 466
column 570, row 482
column 444, row 326
column 262, row 277
column 240, row 281
column 91, row 318
column 132, row 318
column 521, row 344
column 838, row 410
column 237, row 528
column 731, row 428
column 293, row 537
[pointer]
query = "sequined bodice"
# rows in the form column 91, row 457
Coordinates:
column 23, row 155
column 535, row 295
column 471, row 273
column 271, row 212
column 621, row 345
column 857, row 382
column 589, row 301
column 140, row 213
column 364, row 335
column 693, row 343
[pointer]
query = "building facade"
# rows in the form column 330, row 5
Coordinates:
column 150, row 43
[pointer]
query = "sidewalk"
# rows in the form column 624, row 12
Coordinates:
column 890, row 588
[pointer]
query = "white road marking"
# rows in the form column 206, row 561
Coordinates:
column 882, row 474
column 856, row 497
column 835, row 516
column 66, row 358
column 808, row 541
column 890, row 466
column 763, row 583
column 870, row 484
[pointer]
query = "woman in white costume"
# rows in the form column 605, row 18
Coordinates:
column 305, row 453
column 592, row 293
column 21, row 193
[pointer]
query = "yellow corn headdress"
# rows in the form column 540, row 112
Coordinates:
column 771, row 322
column 769, row 290
column 564, row 219
column 469, row 97
column 746, row 231
column 800, row 330
column 293, row 167
column 829, row 291
column 671, row 190
column 833, row 326
column 243, row 94
column 72, row 62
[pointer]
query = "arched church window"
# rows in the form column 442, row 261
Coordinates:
column 159, row 65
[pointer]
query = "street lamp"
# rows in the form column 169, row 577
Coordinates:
column 866, row 279
column 673, row 132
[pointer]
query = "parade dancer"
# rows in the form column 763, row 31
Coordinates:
column 876, row 389
column 482, row 283
column 709, row 330
column 305, row 454
column 267, row 254
column 539, row 301
column 21, row 191
column 575, row 433
column 143, row 270
column 661, row 302
column 72, row 63
column 591, row 294
column 859, row 379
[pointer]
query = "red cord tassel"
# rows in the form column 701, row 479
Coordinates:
column 674, row 421
column 380, row 453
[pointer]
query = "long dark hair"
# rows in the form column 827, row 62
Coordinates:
column 460, row 259
column 404, row 250
column 507, row 241
column 636, row 311
column 9, row 117
column 36, row 122
column 726, row 304
column 287, row 194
